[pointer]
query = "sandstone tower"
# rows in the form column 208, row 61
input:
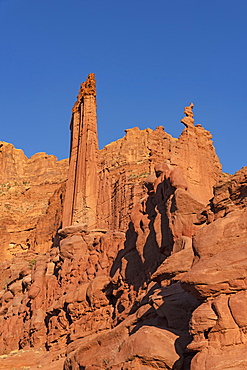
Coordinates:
column 103, row 185
column 81, row 192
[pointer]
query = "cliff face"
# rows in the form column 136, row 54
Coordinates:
column 102, row 186
column 30, row 191
column 125, row 164
column 149, row 268
column 218, row 277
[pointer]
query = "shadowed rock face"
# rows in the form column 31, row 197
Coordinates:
column 218, row 277
column 147, row 273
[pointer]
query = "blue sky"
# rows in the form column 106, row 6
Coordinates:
column 151, row 58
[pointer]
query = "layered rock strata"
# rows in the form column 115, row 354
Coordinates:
column 31, row 192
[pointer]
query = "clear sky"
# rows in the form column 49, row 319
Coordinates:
column 151, row 58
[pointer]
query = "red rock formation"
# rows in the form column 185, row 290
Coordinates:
column 31, row 192
column 218, row 276
column 127, row 161
column 116, row 178
column 188, row 120
column 81, row 193
column 146, row 273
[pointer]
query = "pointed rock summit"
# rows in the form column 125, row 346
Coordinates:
column 188, row 120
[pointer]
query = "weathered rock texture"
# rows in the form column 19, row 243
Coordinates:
column 31, row 192
column 149, row 269
column 103, row 186
column 81, row 193
column 219, row 278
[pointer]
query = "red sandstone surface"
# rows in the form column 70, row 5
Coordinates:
column 137, row 261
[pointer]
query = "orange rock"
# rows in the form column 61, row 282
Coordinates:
column 143, row 266
column 30, row 193
column 82, row 186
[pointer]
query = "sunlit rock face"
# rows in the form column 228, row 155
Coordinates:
column 137, row 261
column 31, row 193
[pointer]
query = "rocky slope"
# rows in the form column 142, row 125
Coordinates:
column 158, row 283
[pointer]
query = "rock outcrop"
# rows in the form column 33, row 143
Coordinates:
column 103, row 186
column 149, row 268
column 126, row 163
column 218, row 277
column 31, row 192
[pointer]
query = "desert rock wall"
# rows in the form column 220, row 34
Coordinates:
column 122, row 167
column 125, row 164
column 26, row 196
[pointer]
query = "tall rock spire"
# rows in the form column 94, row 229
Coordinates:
column 81, row 192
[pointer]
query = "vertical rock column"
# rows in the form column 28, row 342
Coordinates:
column 82, row 186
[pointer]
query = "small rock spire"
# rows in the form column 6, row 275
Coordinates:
column 188, row 120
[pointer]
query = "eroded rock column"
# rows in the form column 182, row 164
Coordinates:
column 81, row 192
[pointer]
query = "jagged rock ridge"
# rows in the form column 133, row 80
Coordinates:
column 142, row 273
